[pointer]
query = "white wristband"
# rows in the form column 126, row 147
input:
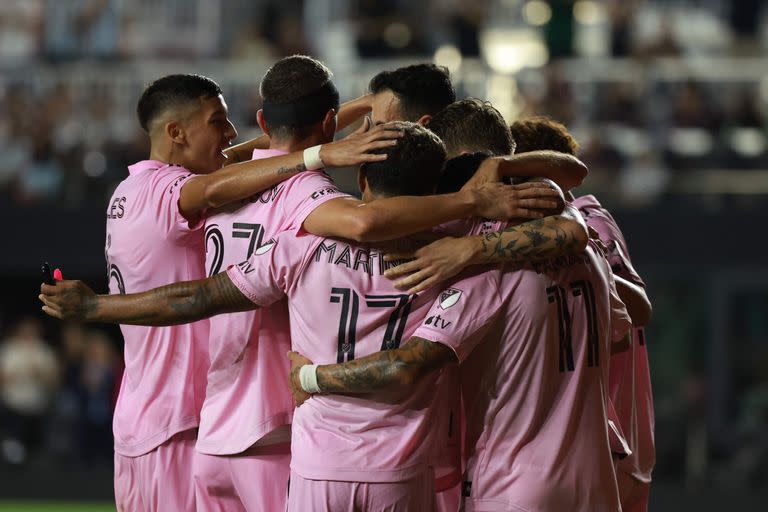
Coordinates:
column 312, row 158
column 308, row 378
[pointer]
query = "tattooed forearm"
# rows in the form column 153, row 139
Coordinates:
column 386, row 370
column 175, row 304
column 292, row 170
column 536, row 240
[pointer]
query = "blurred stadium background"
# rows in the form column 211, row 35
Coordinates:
column 669, row 100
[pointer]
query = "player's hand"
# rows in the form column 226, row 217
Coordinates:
column 488, row 172
column 68, row 300
column 595, row 237
column 297, row 361
column 432, row 264
column 355, row 148
column 531, row 200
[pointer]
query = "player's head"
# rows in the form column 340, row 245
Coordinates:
column 411, row 93
column 187, row 115
column 300, row 101
column 542, row 133
column 472, row 125
column 412, row 166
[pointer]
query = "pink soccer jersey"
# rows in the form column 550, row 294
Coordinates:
column 630, row 380
column 150, row 244
column 246, row 397
column 534, row 386
column 342, row 308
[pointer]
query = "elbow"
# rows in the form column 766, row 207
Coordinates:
column 642, row 316
column 577, row 171
column 362, row 227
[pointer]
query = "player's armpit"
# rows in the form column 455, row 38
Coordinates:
column 177, row 303
column 637, row 302
column 623, row 345
column 389, row 370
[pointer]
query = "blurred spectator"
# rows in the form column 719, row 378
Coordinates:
column 28, row 377
column 97, row 380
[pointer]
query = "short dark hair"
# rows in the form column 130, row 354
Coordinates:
column 473, row 125
column 423, row 89
column 172, row 92
column 412, row 167
column 288, row 81
column 543, row 133
column 458, row 170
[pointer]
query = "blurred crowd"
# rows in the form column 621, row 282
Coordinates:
column 56, row 398
column 66, row 136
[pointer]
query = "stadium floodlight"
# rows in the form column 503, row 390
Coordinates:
column 510, row 50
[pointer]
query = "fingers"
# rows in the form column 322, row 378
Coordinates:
column 537, row 192
column 384, row 132
column 413, row 280
column 394, row 256
column 378, row 144
column 533, row 184
column 52, row 312
column 364, row 126
column 425, row 284
column 48, row 289
column 402, row 269
column 538, row 204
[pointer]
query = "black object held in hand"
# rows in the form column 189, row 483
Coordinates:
column 45, row 268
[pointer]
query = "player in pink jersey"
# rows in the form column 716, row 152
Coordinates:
column 242, row 417
column 363, row 316
column 630, row 383
column 154, row 236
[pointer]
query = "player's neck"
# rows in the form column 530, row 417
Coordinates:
column 291, row 144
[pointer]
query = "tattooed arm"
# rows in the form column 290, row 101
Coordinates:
column 177, row 303
column 536, row 240
column 388, row 370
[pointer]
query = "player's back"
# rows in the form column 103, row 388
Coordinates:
column 630, row 381
column 245, row 396
column 150, row 244
column 343, row 308
column 535, row 392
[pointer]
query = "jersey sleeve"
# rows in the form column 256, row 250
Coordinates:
column 621, row 323
column 266, row 276
column 463, row 311
column 167, row 190
column 306, row 192
column 617, row 255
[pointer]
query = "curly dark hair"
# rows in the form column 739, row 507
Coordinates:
column 472, row 125
column 540, row 133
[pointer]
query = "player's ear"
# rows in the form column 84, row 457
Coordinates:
column 362, row 181
column 175, row 131
column 329, row 124
column 424, row 120
column 262, row 122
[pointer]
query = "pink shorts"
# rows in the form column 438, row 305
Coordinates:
column 418, row 493
column 449, row 499
column 158, row 480
column 632, row 492
column 256, row 479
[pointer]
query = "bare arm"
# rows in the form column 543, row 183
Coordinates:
column 637, row 302
column 177, row 303
column 238, row 181
column 388, row 370
column 349, row 112
column 536, row 240
column 393, row 217
column 565, row 170
column 244, row 151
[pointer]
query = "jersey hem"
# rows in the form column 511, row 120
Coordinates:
column 360, row 474
column 209, row 445
column 148, row 444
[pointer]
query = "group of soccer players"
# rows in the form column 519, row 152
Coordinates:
column 453, row 341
